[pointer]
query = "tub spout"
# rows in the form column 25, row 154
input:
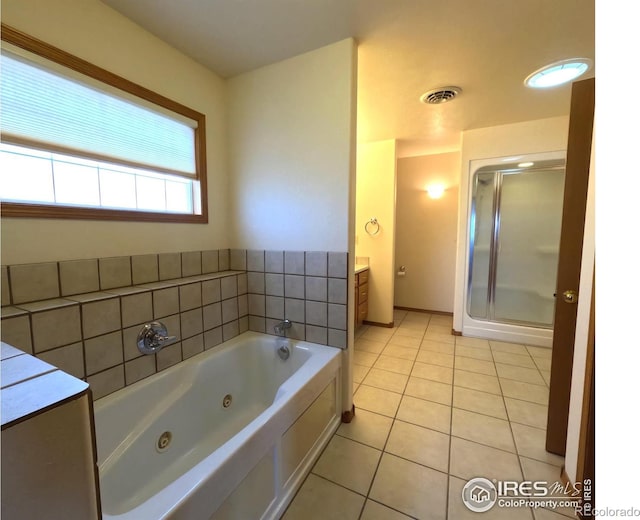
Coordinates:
column 281, row 327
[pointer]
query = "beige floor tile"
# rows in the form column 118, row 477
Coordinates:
column 526, row 375
column 366, row 345
column 405, row 341
column 386, row 380
column 410, row 488
column 530, row 442
column 408, row 334
column 513, row 348
column 527, row 413
column 429, row 390
column 540, row 352
column 433, row 372
column 458, row 511
column 365, row 359
column 425, row 413
column 359, row 373
column 400, row 352
column 546, row 375
column 542, row 363
column 520, row 360
column 377, row 400
column 475, row 353
column 539, row 471
column 476, row 381
column 439, row 329
column 525, row 391
column 374, row 511
column 368, row 428
column 472, row 342
column 483, row 429
column 469, row 460
column 480, row 402
column 442, row 321
column 435, row 346
column 355, row 387
column 435, row 358
column 413, row 325
column 438, row 337
column 361, row 330
column 392, row 364
column 319, row 499
column 418, row 317
column 378, row 334
column 421, row 445
column 476, row 365
column 348, row 463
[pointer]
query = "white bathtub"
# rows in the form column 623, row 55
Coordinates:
column 243, row 461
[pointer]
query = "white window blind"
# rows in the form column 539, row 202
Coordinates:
column 44, row 109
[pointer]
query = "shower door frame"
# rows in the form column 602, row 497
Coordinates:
column 512, row 331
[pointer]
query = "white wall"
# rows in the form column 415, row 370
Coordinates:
column 426, row 232
column 376, row 197
column 542, row 135
column 291, row 128
column 91, row 30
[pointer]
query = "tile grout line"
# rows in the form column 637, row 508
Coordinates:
column 453, row 380
column 513, row 437
column 373, row 478
column 383, row 451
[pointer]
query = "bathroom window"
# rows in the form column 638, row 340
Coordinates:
column 80, row 142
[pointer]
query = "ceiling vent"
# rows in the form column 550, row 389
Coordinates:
column 440, row 95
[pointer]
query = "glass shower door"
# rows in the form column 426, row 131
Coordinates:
column 530, row 216
column 515, row 235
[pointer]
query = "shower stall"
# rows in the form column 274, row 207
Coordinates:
column 514, row 236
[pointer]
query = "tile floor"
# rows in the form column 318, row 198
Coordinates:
column 432, row 411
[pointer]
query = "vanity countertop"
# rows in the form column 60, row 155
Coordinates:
column 361, row 267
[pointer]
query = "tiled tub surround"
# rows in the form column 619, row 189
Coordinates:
column 309, row 288
column 84, row 316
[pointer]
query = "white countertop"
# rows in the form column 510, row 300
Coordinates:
column 361, row 267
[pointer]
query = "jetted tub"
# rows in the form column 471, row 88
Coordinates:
column 229, row 433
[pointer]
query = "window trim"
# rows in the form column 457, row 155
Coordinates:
column 30, row 210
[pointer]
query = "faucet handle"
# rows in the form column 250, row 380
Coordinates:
column 153, row 338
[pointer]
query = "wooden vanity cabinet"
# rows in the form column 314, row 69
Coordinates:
column 361, row 296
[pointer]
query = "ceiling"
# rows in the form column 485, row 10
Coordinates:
column 405, row 47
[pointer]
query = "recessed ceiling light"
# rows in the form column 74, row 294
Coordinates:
column 525, row 164
column 558, row 73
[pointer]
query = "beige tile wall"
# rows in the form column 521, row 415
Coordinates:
column 307, row 287
column 84, row 316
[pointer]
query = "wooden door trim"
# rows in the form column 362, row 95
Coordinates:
column 586, row 445
column 570, row 255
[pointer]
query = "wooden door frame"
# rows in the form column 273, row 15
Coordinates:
column 585, row 474
column 569, row 260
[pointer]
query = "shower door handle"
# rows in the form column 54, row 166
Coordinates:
column 570, row 296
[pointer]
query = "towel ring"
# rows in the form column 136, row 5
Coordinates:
column 372, row 227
